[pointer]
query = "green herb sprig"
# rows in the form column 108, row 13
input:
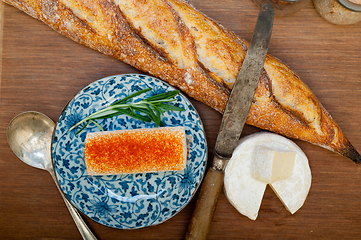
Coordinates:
column 152, row 107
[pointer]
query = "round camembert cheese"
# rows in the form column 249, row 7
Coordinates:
column 266, row 158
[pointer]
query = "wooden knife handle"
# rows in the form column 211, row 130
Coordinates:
column 205, row 205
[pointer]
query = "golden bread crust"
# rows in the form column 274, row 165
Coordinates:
column 175, row 42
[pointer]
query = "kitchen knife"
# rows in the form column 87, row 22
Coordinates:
column 233, row 120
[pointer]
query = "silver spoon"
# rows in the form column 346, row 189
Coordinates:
column 29, row 136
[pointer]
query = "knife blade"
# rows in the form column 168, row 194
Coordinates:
column 234, row 118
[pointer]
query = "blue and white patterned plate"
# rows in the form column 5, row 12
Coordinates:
column 126, row 201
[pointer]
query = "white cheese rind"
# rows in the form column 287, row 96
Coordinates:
column 293, row 191
column 245, row 193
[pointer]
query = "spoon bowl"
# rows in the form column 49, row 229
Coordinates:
column 29, row 136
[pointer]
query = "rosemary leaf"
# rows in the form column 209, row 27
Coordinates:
column 128, row 112
column 153, row 116
column 165, row 95
column 105, row 114
column 132, row 96
column 157, row 110
column 168, row 107
column 152, row 107
column 85, row 125
column 97, row 124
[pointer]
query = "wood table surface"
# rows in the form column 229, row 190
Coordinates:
column 42, row 71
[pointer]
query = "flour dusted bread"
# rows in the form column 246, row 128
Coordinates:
column 136, row 151
column 175, row 42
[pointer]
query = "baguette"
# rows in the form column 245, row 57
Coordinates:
column 173, row 41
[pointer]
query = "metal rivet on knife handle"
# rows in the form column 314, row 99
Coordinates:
column 233, row 120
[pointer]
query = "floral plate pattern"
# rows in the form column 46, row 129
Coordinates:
column 126, row 201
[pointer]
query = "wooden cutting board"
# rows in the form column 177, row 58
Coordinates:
column 42, row 71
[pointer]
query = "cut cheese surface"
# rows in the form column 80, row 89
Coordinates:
column 269, row 165
column 266, row 158
column 135, row 151
column 283, row 165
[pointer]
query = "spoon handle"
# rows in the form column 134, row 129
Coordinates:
column 83, row 228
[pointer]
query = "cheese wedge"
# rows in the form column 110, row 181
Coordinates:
column 270, row 165
column 136, row 151
column 266, row 158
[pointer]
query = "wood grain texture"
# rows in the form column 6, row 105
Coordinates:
column 1, row 38
column 42, row 71
column 206, row 204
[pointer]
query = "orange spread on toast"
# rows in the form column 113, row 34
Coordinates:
column 135, row 151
